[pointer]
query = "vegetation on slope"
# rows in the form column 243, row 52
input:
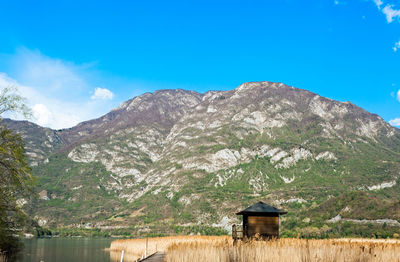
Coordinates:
column 176, row 162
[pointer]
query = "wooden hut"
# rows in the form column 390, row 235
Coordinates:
column 260, row 221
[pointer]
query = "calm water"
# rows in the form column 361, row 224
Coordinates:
column 66, row 249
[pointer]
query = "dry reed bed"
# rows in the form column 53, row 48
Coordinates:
column 206, row 248
column 135, row 248
column 288, row 250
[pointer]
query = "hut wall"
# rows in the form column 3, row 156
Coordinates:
column 265, row 226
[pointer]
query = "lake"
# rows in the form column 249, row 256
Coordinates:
column 66, row 249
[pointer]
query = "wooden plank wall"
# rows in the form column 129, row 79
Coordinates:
column 265, row 226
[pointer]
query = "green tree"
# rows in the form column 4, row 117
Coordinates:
column 16, row 181
column 11, row 101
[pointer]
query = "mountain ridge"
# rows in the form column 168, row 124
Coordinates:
column 242, row 86
column 178, row 159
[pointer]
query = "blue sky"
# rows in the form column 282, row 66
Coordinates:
column 76, row 60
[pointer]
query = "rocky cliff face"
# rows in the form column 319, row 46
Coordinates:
column 40, row 142
column 180, row 157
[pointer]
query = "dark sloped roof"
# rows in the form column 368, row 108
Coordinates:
column 261, row 207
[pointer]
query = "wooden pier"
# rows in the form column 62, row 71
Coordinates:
column 156, row 257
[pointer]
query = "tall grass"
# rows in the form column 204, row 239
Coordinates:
column 287, row 250
column 135, row 248
column 207, row 248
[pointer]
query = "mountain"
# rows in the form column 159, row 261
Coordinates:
column 176, row 161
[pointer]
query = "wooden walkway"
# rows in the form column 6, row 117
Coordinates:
column 156, row 257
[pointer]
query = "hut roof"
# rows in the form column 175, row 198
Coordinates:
column 261, row 208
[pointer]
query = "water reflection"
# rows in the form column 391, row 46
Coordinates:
column 65, row 249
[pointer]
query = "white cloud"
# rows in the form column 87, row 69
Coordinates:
column 42, row 114
column 49, row 111
column 396, row 46
column 395, row 95
column 395, row 122
column 391, row 13
column 389, row 10
column 102, row 93
column 378, row 3
column 30, row 67
column 57, row 91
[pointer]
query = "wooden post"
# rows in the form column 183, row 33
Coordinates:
column 279, row 227
column 245, row 225
column 122, row 256
column 234, row 234
column 146, row 252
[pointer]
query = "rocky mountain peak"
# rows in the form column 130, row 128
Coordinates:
column 185, row 150
column 260, row 84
